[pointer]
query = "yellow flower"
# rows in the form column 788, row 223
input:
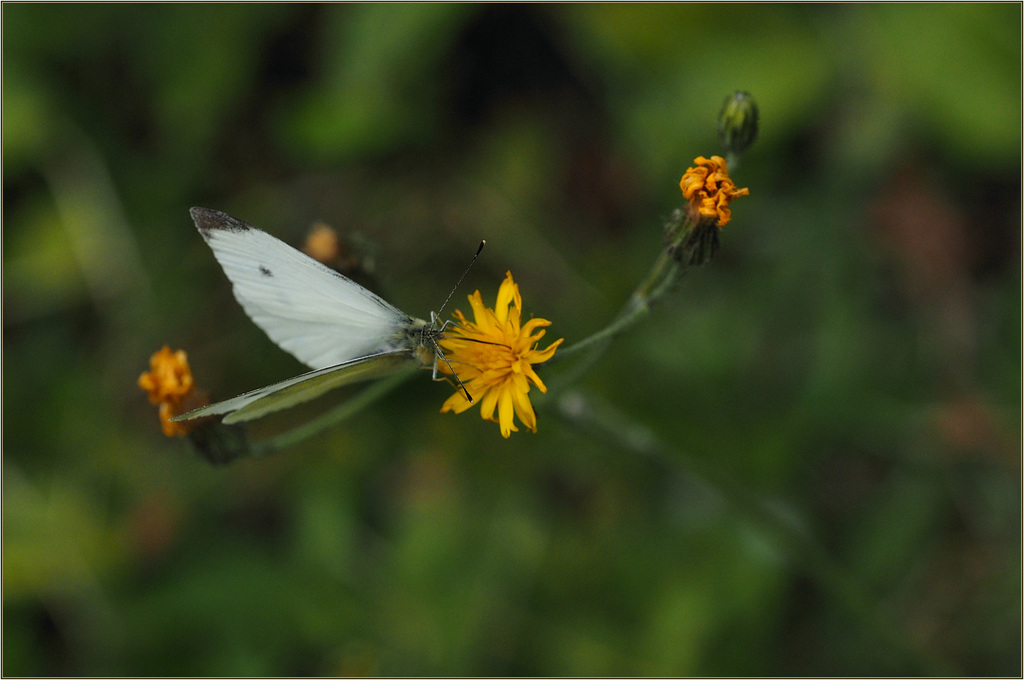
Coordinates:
column 494, row 356
column 709, row 189
column 169, row 383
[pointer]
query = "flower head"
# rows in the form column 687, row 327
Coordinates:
column 169, row 383
column 709, row 189
column 494, row 356
column 322, row 243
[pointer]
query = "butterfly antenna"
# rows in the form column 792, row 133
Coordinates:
column 437, row 348
column 456, row 286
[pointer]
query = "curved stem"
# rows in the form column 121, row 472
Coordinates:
column 658, row 281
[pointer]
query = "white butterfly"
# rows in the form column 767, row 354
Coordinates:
column 327, row 321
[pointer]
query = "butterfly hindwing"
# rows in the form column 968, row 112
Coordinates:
column 303, row 388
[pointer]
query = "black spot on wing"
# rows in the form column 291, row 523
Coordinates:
column 208, row 220
column 266, row 272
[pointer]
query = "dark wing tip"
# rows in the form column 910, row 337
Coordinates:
column 208, row 220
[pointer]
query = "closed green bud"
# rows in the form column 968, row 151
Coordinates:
column 737, row 123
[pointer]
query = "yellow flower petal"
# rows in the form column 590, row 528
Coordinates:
column 488, row 403
column 456, row 403
column 524, row 409
column 505, row 413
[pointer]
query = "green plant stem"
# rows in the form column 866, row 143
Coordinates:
column 658, row 281
column 343, row 411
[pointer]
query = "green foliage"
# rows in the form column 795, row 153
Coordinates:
column 805, row 461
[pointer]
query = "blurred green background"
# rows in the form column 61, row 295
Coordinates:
column 833, row 406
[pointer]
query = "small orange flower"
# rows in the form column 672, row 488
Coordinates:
column 168, row 383
column 322, row 243
column 494, row 356
column 709, row 189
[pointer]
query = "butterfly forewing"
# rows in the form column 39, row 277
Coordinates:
column 323, row 318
